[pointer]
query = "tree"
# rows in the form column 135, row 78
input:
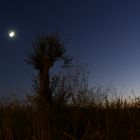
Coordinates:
column 46, row 51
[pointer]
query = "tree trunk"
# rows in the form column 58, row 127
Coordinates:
column 44, row 81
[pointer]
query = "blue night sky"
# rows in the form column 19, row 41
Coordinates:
column 105, row 34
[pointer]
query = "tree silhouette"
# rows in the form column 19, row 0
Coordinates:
column 46, row 51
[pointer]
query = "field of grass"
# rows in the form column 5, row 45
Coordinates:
column 36, row 120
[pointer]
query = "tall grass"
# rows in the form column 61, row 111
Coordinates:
column 36, row 120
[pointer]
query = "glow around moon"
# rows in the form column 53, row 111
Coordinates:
column 12, row 34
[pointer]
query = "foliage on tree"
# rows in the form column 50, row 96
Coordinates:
column 46, row 51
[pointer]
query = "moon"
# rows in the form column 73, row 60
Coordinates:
column 11, row 34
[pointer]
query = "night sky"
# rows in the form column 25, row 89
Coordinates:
column 104, row 34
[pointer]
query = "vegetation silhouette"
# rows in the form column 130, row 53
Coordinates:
column 46, row 51
column 78, row 112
